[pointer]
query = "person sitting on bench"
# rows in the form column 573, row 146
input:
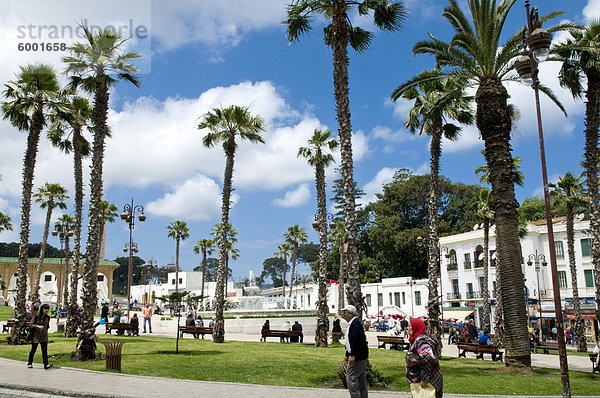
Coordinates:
column 264, row 330
column 135, row 322
column 190, row 321
column 484, row 339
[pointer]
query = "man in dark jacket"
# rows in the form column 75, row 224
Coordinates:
column 297, row 327
column 357, row 352
column 472, row 331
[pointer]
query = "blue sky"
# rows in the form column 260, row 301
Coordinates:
column 205, row 54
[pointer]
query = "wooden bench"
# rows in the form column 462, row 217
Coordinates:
column 595, row 364
column 9, row 324
column 395, row 342
column 461, row 338
column 545, row 346
column 479, row 350
column 195, row 330
column 122, row 327
column 282, row 334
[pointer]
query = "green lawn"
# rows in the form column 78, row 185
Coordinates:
column 5, row 313
column 299, row 365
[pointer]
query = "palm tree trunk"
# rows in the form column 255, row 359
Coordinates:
column 65, row 295
column 341, row 301
column 486, row 295
column 340, row 83
column 19, row 330
column 284, row 271
column 72, row 321
column 294, row 257
column 86, row 346
column 579, row 326
column 592, row 123
column 203, row 274
column 219, row 327
column 498, row 310
column 434, row 326
column 494, row 123
column 322, row 308
column 177, row 265
column 38, row 272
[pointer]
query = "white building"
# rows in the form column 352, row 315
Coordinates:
column 462, row 272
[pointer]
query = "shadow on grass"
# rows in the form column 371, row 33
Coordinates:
column 185, row 352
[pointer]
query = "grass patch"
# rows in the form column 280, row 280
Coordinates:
column 298, row 365
column 5, row 313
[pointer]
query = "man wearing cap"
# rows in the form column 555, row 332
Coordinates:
column 357, row 352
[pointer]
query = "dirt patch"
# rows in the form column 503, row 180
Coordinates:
column 522, row 370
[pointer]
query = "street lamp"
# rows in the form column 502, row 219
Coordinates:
column 411, row 282
column 536, row 45
column 537, row 259
column 328, row 216
column 128, row 215
column 62, row 229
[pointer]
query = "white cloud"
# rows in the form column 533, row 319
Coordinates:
column 422, row 169
column 387, row 134
column 591, row 10
column 468, row 140
column 294, row 198
column 375, row 186
column 198, row 198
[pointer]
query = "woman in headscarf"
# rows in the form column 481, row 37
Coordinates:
column 422, row 363
column 39, row 335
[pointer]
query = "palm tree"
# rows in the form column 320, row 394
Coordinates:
column 225, row 125
column 435, row 102
column 486, row 215
column 295, row 235
column 96, row 65
column 204, row 246
column 337, row 237
column 314, row 153
column 66, row 133
column 283, row 251
column 579, row 55
column 569, row 191
column 108, row 213
column 49, row 197
column 64, row 224
column 475, row 55
column 338, row 35
column 179, row 231
column 27, row 99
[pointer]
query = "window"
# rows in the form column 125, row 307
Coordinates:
column 308, row 300
column 558, row 249
column 397, row 299
column 47, row 278
column 180, row 281
column 467, row 260
column 493, row 256
column 403, row 298
column 493, row 288
column 469, row 290
column 481, row 285
column 562, row 279
column 380, row 299
column 455, row 286
column 172, row 281
column 589, row 277
column 586, row 247
column 417, row 298
column 391, row 299
column 368, row 297
column 452, row 265
column 478, row 253
column 100, row 278
column 302, row 301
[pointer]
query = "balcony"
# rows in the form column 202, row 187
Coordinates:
column 453, row 266
column 453, row 296
column 473, row 295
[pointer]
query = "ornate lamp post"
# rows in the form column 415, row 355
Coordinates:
column 63, row 231
column 536, row 45
column 128, row 215
column 537, row 259
column 328, row 216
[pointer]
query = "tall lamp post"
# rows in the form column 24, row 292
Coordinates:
column 536, row 45
column 537, row 259
column 63, row 231
column 128, row 215
column 411, row 282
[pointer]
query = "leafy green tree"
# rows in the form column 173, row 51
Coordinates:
column 49, row 197
column 179, row 231
column 28, row 100
column 337, row 191
column 387, row 15
column 436, row 102
column 273, row 269
column 206, row 247
column 212, row 269
column 308, row 252
column 569, row 191
column 95, row 65
column 579, row 56
column 225, row 125
column 475, row 56
column 121, row 273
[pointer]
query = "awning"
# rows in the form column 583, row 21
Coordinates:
column 457, row 314
column 393, row 310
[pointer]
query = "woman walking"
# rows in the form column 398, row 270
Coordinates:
column 422, row 364
column 39, row 331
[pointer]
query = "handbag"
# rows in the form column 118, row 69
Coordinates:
column 102, row 321
column 419, row 392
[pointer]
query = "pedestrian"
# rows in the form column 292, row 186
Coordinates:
column 147, row 313
column 472, row 331
column 357, row 353
column 422, row 364
column 554, row 333
column 39, row 335
column 265, row 330
column 451, row 335
column 568, row 336
column 103, row 315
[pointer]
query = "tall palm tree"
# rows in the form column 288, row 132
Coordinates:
column 475, row 55
column 319, row 159
column 283, row 251
column 295, row 235
column 66, row 133
column 49, row 196
column 204, row 246
column 65, row 223
column 486, row 215
column 28, row 98
column 338, row 236
column 108, row 213
column 95, row 65
column 579, row 55
column 387, row 15
column 435, row 103
column 569, row 191
column 179, row 231
column 225, row 126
